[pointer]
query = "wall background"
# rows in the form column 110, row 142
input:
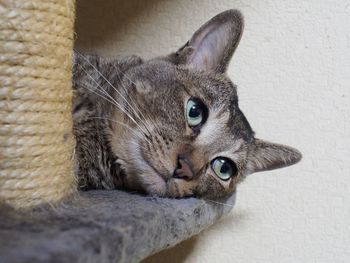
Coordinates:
column 293, row 72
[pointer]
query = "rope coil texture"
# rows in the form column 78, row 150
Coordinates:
column 36, row 142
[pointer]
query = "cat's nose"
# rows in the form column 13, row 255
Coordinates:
column 184, row 168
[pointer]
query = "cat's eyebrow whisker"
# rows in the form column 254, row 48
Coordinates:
column 124, row 125
column 116, row 90
column 125, row 89
column 100, row 95
column 124, row 74
column 132, row 101
column 108, row 82
column 219, row 203
column 150, row 118
column 114, row 102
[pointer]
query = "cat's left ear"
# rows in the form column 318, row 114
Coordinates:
column 212, row 46
column 265, row 156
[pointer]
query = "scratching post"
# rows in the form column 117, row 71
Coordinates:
column 36, row 142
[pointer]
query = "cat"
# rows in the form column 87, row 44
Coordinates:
column 169, row 126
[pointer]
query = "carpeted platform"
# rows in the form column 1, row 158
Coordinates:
column 104, row 226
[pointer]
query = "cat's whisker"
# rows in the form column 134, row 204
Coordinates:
column 109, row 98
column 149, row 117
column 124, row 125
column 115, row 103
column 127, row 77
column 132, row 101
column 102, row 96
column 104, row 91
column 108, row 82
column 116, row 90
column 218, row 203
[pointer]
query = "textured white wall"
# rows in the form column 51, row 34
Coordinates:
column 293, row 72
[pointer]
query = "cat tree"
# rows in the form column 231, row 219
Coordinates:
column 36, row 158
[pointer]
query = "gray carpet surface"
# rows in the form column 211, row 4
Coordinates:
column 104, row 226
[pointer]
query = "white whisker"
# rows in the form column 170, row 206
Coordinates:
column 119, row 93
column 115, row 103
column 116, row 90
column 124, row 125
column 219, row 203
column 132, row 101
column 149, row 117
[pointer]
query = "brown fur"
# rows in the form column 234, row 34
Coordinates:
column 136, row 144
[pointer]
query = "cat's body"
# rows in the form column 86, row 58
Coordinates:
column 170, row 126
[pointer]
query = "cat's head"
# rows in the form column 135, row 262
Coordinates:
column 184, row 133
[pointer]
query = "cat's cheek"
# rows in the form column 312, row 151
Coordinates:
column 153, row 184
column 232, row 184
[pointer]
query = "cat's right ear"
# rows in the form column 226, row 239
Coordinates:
column 213, row 44
column 264, row 155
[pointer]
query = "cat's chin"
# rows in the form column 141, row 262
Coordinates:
column 156, row 185
column 160, row 184
column 167, row 189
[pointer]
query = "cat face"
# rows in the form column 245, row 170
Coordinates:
column 182, row 131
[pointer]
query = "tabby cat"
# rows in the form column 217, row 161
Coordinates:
column 170, row 126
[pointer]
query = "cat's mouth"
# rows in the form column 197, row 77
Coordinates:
column 154, row 182
column 166, row 185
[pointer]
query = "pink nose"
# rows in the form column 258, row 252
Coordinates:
column 183, row 169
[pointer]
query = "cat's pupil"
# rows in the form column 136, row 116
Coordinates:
column 195, row 111
column 225, row 168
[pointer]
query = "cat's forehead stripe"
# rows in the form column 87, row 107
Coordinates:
column 213, row 129
column 235, row 148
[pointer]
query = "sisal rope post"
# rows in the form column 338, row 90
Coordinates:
column 36, row 142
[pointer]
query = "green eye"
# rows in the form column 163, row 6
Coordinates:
column 196, row 112
column 224, row 168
